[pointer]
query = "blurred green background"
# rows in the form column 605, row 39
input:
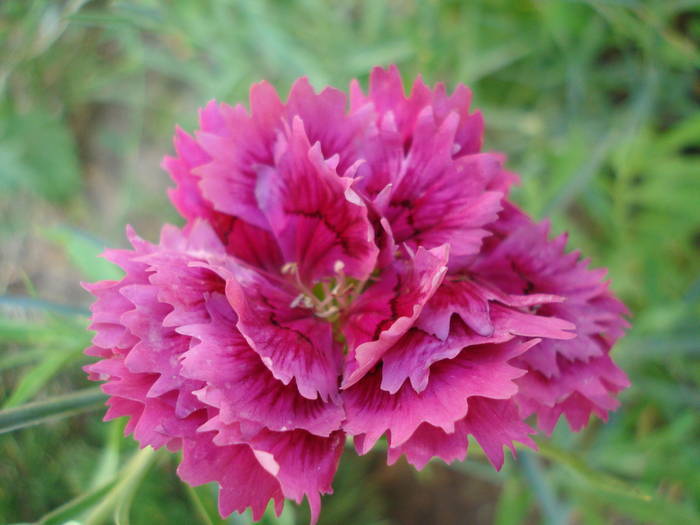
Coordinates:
column 596, row 103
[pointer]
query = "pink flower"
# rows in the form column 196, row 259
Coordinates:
column 346, row 273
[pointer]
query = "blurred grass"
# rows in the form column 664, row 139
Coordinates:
column 596, row 103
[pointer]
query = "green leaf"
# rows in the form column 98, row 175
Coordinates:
column 101, row 500
column 59, row 407
column 35, row 303
column 83, row 251
column 36, row 377
column 203, row 499
column 553, row 511
column 513, row 504
column 77, row 506
column 634, row 501
column 15, row 359
column 117, row 501
column 43, row 156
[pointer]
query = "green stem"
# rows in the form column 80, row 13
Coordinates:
column 120, row 495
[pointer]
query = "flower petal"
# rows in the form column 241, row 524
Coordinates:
column 241, row 386
column 477, row 371
column 292, row 342
column 243, row 481
column 387, row 309
column 303, row 464
column 316, row 216
column 494, row 423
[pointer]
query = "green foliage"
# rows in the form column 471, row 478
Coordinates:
column 596, row 103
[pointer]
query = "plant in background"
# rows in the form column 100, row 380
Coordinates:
column 345, row 273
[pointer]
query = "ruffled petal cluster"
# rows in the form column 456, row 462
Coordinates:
column 347, row 270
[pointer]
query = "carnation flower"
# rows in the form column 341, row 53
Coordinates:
column 346, row 272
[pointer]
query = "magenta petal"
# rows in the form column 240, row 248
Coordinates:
column 254, row 246
column 578, row 390
column 236, row 148
column 469, row 134
column 307, row 464
column 243, row 480
column 530, row 325
column 470, row 301
column 292, row 342
column 386, row 93
column 317, row 218
column 326, row 121
column 456, row 297
column 412, row 356
column 141, row 359
column 186, row 196
column 495, row 423
column 241, row 386
column 442, row 208
column 303, row 464
column 574, row 377
column 428, row 442
column 477, row 371
column 389, row 308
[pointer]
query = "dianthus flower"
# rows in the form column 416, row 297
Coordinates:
column 346, row 272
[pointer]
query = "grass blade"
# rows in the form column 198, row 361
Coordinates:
column 35, row 379
column 41, row 411
column 77, row 506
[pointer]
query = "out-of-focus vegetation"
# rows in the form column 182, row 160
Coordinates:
column 595, row 101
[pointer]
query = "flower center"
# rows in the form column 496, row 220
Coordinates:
column 328, row 297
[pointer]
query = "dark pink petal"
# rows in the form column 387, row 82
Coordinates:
column 494, row 423
column 303, row 464
column 237, row 148
column 428, row 442
column 241, row 386
column 186, row 196
column 153, row 420
column 429, row 197
column 326, row 121
column 173, row 295
column 387, row 309
column 142, row 358
column 470, row 301
column 578, row 390
column 435, row 199
column 599, row 323
column 437, row 336
column 412, row 356
column 317, row 217
column 383, row 159
column 243, row 481
column 531, row 325
column 244, row 240
column 386, row 93
column 477, row 371
column 292, row 342
column 254, row 246
column 157, row 348
column 573, row 377
column 307, row 464
column 469, row 134
column 405, row 132
column 456, row 297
